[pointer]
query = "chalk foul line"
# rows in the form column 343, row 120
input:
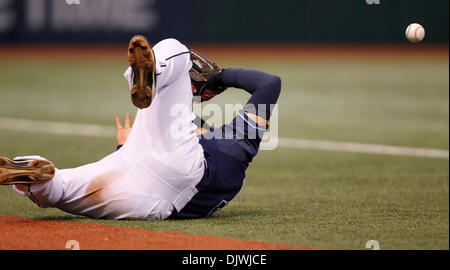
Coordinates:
column 65, row 128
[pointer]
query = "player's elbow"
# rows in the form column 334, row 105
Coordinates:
column 274, row 84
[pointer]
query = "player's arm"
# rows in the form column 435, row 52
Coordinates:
column 208, row 80
column 264, row 88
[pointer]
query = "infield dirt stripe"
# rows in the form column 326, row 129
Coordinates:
column 20, row 233
column 64, row 128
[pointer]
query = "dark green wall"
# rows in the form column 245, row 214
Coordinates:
column 219, row 21
column 322, row 20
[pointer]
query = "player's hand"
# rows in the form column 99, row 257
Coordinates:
column 123, row 131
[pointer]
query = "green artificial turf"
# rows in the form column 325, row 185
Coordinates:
column 307, row 198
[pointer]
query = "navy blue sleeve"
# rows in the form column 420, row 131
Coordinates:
column 118, row 147
column 264, row 88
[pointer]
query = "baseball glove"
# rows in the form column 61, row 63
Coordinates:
column 205, row 77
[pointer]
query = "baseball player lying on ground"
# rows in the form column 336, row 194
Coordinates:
column 166, row 168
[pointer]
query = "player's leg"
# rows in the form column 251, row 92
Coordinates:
column 30, row 170
column 117, row 186
column 113, row 188
column 34, row 177
column 165, row 128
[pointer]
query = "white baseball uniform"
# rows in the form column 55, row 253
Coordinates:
column 157, row 169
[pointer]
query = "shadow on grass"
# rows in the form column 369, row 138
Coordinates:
column 219, row 216
column 63, row 218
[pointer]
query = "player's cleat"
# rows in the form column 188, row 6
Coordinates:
column 27, row 171
column 142, row 61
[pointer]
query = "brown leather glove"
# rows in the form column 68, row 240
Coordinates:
column 205, row 77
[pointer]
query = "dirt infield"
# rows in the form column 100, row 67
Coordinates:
column 19, row 233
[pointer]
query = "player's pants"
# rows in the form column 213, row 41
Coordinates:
column 229, row 149
column 155, row 171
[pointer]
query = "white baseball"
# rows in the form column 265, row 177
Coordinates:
column 415, row 33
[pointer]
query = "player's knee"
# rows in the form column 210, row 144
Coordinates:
column 174, row 45
column 171, row 41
